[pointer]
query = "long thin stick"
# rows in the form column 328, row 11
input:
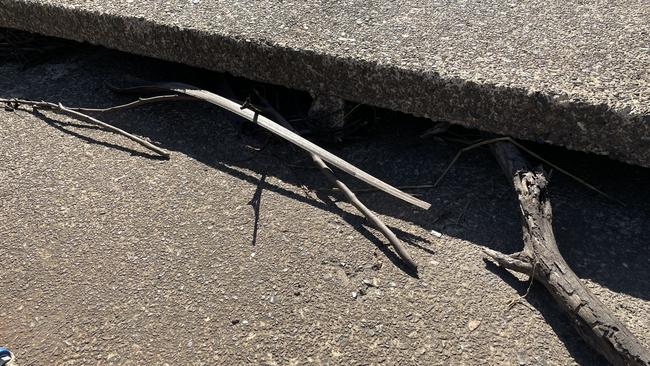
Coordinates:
column 256, row 118
column 60, row 107
column 136, row 103
column 352, row 198
column 370, row 190
column 531, row 153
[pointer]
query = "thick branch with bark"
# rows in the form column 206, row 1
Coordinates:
column 595, row 323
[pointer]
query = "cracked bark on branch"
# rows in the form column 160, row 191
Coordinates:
column 595, row 323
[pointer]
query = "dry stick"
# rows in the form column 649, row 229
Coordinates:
column 352, row 198
column 60, row 107
column 518, row 299
column 256, row 118
column 140, row 141
column 531, row 153
column 136, row 103
column 370, row 190
column 541, row 259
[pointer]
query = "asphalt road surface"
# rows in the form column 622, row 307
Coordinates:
column 109, row 255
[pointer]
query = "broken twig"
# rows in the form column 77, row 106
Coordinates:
column 371, row 190
column 137, row 103
column 531, row 153
column 352, row 198
column 14, row 103
column 275, row 128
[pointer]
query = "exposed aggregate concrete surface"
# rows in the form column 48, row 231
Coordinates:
column 575, row 74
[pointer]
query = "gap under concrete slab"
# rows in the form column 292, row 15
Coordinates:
column 574, row 75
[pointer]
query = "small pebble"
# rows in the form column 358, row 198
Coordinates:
column 371, row 283
column 522, row 359
column 473, row 324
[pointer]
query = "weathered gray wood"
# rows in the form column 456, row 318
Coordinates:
column 76, row 112
column 286, row 134
column 347, row 192
column 595, row 323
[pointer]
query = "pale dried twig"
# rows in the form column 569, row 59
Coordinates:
column 254, row 117
column 136, row 103
column 531, row 153
column 343, row 188
column 14, row 103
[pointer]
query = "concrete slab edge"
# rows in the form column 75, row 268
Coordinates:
column 509, row 111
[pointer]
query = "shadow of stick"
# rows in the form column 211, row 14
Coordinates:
column 256, row 203
column 59, row 125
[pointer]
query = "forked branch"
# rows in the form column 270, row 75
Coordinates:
column 541, row 258
column 250, row 114
column 351, row 197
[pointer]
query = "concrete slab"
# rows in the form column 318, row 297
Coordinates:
column 575, row 75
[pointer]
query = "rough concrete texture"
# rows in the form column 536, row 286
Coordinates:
column 575, row 74
column 110, row 256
